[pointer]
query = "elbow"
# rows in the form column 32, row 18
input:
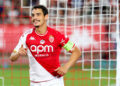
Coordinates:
column 11, row 59
column 78, row 52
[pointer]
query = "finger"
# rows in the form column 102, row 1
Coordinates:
column 23, row 52
column 22, row 46
column 60, row 72
column 57, row 69
column 25, row 49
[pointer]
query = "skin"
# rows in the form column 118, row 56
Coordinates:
column 40, row 22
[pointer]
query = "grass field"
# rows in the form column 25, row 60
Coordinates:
column 19, row 76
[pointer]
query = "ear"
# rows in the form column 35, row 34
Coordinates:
column 46, row 17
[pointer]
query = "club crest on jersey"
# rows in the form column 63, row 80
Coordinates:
column 51, row 38
column 42, row 41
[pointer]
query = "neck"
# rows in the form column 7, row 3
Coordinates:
column 42, row 29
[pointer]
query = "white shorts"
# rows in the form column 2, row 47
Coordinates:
column 53, row 82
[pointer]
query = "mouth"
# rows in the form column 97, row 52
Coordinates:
column 36, row 21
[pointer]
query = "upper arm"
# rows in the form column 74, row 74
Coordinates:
column 69, row 46
column 66, row 43
column 21, row 42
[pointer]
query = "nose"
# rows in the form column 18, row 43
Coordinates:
column 34, row 17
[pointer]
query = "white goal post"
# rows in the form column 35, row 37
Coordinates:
column 118, row 46
column 2, row 78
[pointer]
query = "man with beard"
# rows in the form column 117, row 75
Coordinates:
column 43, row 44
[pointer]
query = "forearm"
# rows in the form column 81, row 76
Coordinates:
column 21, row 52
column 14, row 56
column 73, row 58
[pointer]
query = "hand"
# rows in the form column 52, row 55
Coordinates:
column 22, row 51
column 62, row 70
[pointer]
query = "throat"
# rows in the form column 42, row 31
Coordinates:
column 41, row 31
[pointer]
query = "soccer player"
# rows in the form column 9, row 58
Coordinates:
column 43, row 44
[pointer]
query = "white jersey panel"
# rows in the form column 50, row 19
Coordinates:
column 22, row 40
column 37, row 72
column 53, row 82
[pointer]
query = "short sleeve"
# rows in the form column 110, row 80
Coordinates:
column 66, row 43
column 63, row 40
column 21, row 42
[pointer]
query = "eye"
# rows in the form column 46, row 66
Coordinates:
column 32, row 15
column 38, row 14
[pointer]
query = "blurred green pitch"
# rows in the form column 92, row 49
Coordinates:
column 19, row 76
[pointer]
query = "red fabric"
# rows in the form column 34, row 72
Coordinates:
column 46, row 48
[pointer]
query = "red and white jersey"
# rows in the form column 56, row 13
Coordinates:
column 43, row 52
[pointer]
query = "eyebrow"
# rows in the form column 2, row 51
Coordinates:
column 36, row 13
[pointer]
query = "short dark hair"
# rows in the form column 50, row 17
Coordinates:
column 44, row 9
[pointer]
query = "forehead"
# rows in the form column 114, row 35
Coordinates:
column 37, row 10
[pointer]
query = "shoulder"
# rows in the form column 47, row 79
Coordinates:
column 25, row 33
column 53, row 31
column 59, row 36
column 28, row 31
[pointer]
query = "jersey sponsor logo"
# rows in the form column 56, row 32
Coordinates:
column 51, row 38
column 41, row 55
column 40, row 48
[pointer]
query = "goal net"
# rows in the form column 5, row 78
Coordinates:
column 93, row 25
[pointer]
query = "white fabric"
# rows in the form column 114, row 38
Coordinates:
column 54, row 82
column 37, row 72
column 22, row 40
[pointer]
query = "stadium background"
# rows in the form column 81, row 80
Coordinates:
column 91, row 24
